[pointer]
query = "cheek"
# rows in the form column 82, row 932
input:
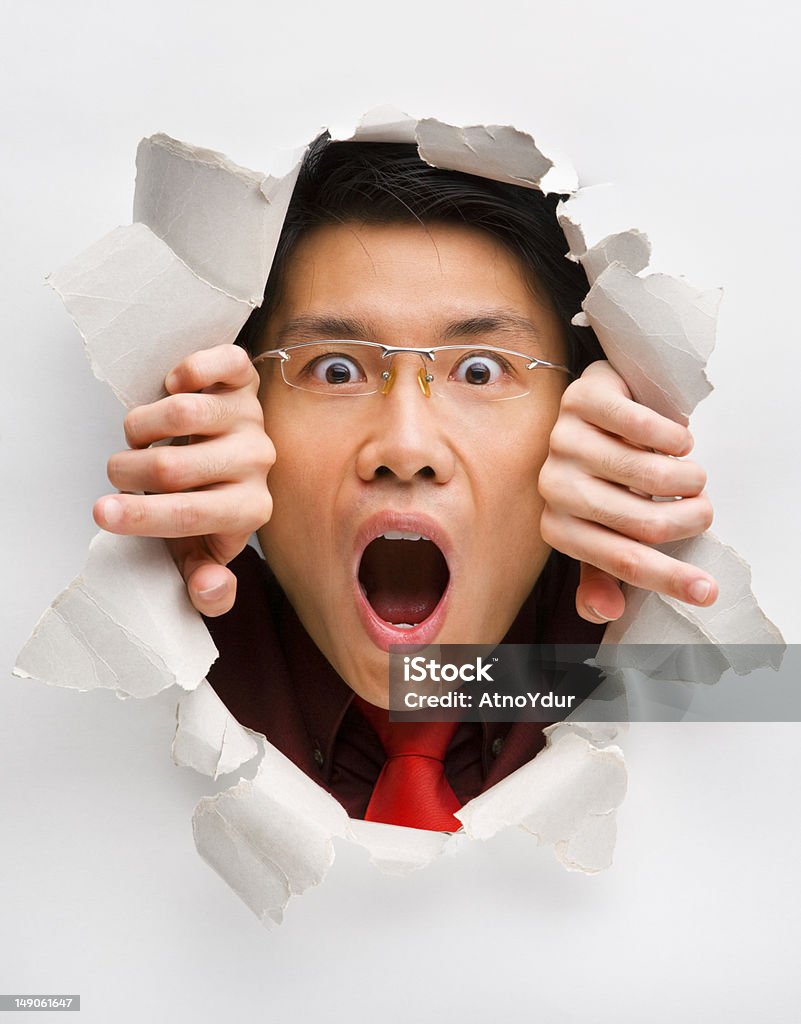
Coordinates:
column 509, row 484
column 304, row 482
column 513, row 454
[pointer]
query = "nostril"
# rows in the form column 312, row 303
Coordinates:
column 427, row 472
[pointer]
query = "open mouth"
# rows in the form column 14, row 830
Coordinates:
column 403, row 577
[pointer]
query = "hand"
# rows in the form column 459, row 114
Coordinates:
column 208, row 495
column 605, row 448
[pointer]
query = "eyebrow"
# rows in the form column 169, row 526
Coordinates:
column 492, row 322
column 310, row 327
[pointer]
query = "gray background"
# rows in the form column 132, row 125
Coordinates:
column 691, row 107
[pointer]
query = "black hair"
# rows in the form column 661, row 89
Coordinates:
column 388, row 183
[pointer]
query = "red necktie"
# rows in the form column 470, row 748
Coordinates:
column 412, row 789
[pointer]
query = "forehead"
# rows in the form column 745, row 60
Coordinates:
column 402, row 283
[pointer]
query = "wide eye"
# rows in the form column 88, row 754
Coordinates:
column 479, row 368
column 335, row 369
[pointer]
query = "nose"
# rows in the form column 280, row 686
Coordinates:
column 406, row 435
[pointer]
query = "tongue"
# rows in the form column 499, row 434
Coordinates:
column 403, row 579
column 403, row 608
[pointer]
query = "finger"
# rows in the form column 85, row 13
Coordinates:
column 171, row 468
column 194, row 514
column 224, row 366
column 635, row 516
column 211, row 587
column 599, row 597
column 608, row 458
column 601, row 397
column 628, row 560
column 186, row 414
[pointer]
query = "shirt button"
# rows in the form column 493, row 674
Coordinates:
column 497, row 746
column 318, row 757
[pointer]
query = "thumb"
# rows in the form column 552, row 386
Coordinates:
column 211, row 586
column 599, row 597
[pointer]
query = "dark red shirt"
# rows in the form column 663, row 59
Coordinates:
column 272, row 677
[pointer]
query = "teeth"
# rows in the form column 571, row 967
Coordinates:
column 403, row 625
column 402, row 535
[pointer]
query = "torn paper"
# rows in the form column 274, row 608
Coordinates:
column 383, row 124
column 398, row 850
column 567, row 796
column 208, row 738
column 658, row 333
column 186, row 276
column 213, row 215
column 499, row 152
column 141, row 310
column 125, row 624
column 595, row 238
column 270, row 837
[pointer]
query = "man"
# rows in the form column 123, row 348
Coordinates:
column 414, row 351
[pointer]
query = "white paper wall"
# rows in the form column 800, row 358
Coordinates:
column 691, row 107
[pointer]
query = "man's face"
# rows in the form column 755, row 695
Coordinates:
column 350, row 470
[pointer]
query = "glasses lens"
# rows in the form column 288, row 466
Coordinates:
column 333, row 368
column 459, row 372
column 482, row 374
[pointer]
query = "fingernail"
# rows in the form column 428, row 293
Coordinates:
column 597, row 614
column 113, row 511
column 700, row 590
column 213, row 592
column 171, row 381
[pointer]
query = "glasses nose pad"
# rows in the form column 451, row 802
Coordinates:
column 389, row 379
column 424, row 380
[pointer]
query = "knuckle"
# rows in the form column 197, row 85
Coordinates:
column 627, row 565
column 656, row 530
column 165, row 469
column 263, row 510
column 549, row 527
column 545, row 482
column 131, row 426
column 267, row 455
column 571, row 401
column 181, row 414
column 560, row 444
column 191, row 372
column 254, row 381
column 634, row 419
column 239, row 360
column 708, row 514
